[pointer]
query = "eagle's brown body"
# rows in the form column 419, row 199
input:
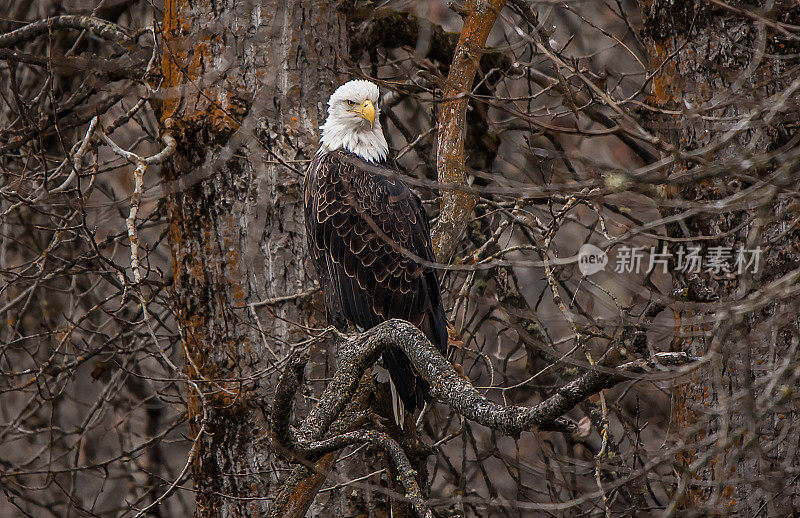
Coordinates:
column 368, row 234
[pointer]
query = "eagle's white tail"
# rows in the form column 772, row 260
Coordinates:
column 398, row 408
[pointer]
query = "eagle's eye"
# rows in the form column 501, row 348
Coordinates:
column 350, row 103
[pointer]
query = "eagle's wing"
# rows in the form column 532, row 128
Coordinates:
column 367, row 233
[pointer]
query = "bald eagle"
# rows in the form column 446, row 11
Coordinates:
column 367, row 232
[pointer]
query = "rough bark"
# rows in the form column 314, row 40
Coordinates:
column 706, row 54
column 244, row 91
column 456, row 206
column 319, row 434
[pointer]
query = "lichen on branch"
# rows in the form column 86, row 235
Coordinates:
column 359, row 352
column 456, row 206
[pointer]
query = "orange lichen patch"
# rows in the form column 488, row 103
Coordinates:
column 191, row 326
column 235, row 288
column 187, row 56
column 196, row 324
column 457, row 205
column 207, row 347
column 296, row 501
column 666, row 81
column 174, row 26
column 728, row 493
column 686, row 418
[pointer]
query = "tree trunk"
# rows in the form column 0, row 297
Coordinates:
column 709, row 53
column 244, row 93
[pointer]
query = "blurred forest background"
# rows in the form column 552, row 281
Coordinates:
column 155, row 279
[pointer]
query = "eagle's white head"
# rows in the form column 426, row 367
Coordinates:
column 353, row 123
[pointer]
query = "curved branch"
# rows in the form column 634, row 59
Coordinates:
column 298, row 491
column 102, row 28
column 399, row 458
column 357, row 354
column 456, row 206
column 289, row 382
column 449, row 388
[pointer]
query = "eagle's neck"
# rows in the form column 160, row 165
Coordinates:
column 366, row 143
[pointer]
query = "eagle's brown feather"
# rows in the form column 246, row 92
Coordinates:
column 370, row 242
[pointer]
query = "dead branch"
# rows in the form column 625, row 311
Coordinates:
column 102, row 28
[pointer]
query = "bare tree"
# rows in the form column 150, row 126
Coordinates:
column 614, row 199
column 728, row 71
column 248, row 93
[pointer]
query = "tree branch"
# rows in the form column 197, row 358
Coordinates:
column 390, row 446
column 297, row 493
column 579, row 99
column 357, row 354
column 456, row 206
column 449, row 388
column 289, row 382
column 102, row 28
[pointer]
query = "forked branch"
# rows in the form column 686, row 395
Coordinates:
column 359, row 352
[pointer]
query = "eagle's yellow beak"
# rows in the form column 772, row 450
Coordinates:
column 367, row 110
